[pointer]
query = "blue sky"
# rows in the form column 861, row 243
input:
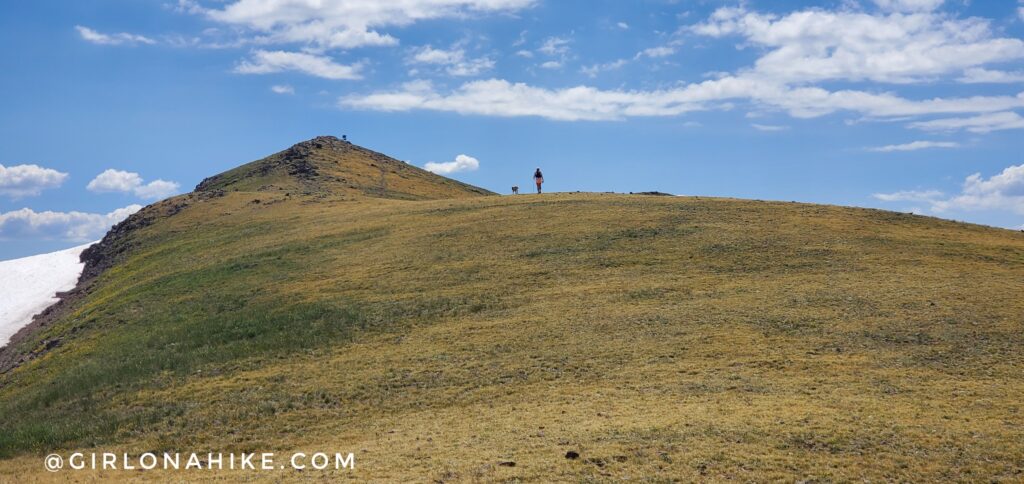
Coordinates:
column 909, row 105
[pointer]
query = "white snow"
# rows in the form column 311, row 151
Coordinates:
column 30, row 284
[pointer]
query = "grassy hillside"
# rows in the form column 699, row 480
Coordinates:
column 658, row 337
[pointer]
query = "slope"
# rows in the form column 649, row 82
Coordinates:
column 658, row 337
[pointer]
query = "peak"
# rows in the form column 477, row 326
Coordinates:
column 331, row 166
column 321, row 142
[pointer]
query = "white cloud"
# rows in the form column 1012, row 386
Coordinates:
column 977, row 124
column 28, row 180
column 267, row 62
column 1001, row 192
column 768, row 127
column 345, row 24
column 95, row 37
column 622, row 25
column 551, row 65
column 524, row 53
column 283, row 89
column 910, row 196
column 117, row 181
column 73, row 226
column 819, row 45
column 461, row 163
column 915, row 145
column 596, row 69
column 979, row 76
column 454, row 61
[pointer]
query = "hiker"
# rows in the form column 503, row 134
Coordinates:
column 539, row 178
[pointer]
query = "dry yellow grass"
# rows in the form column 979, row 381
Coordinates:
column 662, row 338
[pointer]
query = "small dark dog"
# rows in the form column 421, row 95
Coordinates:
column 515, row 190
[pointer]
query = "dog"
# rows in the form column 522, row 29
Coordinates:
column 515, row 189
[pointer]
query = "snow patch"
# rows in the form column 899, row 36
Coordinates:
column 30, row 284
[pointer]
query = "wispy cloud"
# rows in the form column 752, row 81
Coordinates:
column 914, row 146
column 595, row 69
column 498, row 97
column 282, row 89
column 656, row 52
column 909, row 6
column 768, row 127
column 557, row 47
column 910, row 196
column 554, row 46
column 122, row 38
column 979, row 75
column 268, row 62
column 976, row 124
column 454, row 61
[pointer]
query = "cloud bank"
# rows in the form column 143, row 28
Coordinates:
column 1000, row 192
column 71, row 226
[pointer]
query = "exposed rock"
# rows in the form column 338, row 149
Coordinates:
column 657, row 194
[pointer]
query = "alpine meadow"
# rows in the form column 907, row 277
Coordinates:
column 331, row 297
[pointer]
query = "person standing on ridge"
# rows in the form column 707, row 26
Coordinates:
column 539, row 178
